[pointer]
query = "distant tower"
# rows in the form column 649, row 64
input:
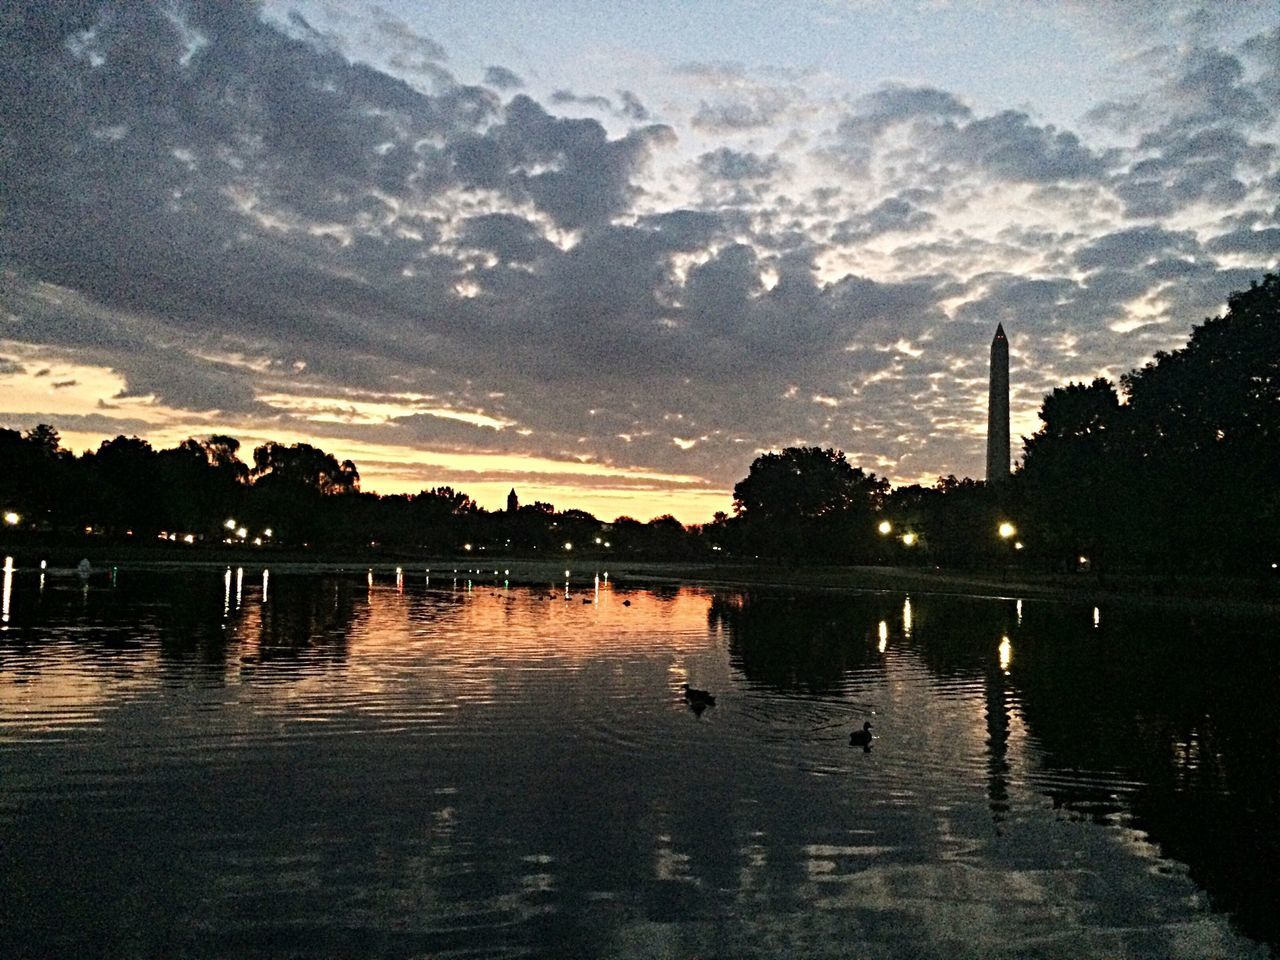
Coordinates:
column 998, row 410
column 513, row 502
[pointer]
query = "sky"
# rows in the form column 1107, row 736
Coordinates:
column 609, row 253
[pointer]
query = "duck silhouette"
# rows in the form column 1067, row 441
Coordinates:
column 698, row 698
column 861, row 738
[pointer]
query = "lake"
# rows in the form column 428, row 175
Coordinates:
column 239, row 763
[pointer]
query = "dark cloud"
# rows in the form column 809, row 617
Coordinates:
column 1133, row 247
column 407, row 49
column 507, row 236
column 632, row 108
column 726, row 164
column 1009, row 146
column 747, row 112
column 685, row 230
column 1199, row 130
column 502, row 79
column 628, row 106
column 1265, row 243
column 895, row 103
column 892, row 215
column 569, row 167
column 1211, row 89
column 739, row 102
column 1186, row 166
column 1006, row 146
column 563, row 97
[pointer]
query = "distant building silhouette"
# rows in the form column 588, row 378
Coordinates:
column 998, row 410
column 513, row 502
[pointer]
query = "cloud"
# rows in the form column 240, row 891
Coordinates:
column 632, row 108
column 748, row 112
column 1009, row 146
column 250, row 225
column 726, row 164
column 895, row 103
column 1133, row 247
column 563, row 97
column 1264, row 243
column 509, row 237
column 739, row 102
column 1005, row 145
column 891, row 215
column 501, row 78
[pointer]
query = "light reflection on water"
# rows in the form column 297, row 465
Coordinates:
column 369, row 765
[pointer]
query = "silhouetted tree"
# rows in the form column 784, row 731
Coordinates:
column 125, row 485
column 806, row 501
column 1185, row 474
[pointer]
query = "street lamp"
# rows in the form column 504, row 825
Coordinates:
column 230, row 524
column 1006, row 530
column 885, row 527
column 12, row 518
column 568, row 546
column 908, row 539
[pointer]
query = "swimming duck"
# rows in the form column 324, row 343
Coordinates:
column 702, row 697
column 861, row 738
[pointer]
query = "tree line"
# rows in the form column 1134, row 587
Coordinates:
column 1175, row 468
column 202, row 492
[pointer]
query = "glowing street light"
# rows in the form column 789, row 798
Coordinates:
column 568, row 546
column 242, row 532
column 908, row 539
column 885, row 527
column 12, row 518
column 1006, row 530
column 230, row 524
column 1017, row 545
column 267, row 532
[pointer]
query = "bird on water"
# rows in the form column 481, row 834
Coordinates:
column 702, row 697
column 861, row 738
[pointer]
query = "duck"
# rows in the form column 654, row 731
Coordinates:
column 696, row 697
column 861, row 738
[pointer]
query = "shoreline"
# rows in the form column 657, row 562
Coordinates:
column 1260, row 596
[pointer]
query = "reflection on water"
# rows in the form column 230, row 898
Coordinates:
column 8, row 588
column 232, row 763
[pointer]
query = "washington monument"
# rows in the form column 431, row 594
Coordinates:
column 998, row 410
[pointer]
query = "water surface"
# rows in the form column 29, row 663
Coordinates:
column 240, row 764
